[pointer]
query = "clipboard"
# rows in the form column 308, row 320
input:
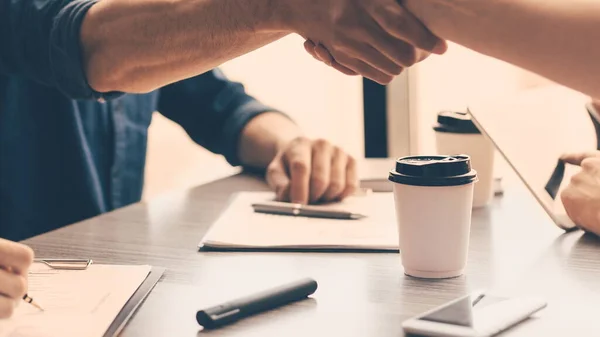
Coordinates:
column 65, row 264
column 134, row 302
column 130, row 308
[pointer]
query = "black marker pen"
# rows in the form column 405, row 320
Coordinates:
column 234, row 310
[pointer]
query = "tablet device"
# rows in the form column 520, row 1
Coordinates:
column 531, row 130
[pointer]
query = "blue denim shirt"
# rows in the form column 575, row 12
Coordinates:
column 67, row 152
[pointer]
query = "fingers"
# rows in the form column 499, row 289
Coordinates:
column 579, row 209
column 12, row 285
column 15, row 256
column 376, row 39
column 343, row 69
column 324, row 55
column 353, row 66
column 577, row 158
column 352, row 53
column 401, row 24
column 320, row 53
column 404, row 54
column 278, row 180
column 310, row 48
column 591, row 164
column 596, row 105
column 320, row 175
column 377, row 60
column 298, row 160
column 568, row 196
column 364, row 69
column 581, row 197
column 588, row 179
column 337, row 183
column 379, row 57
column 352, row 181
column 7, row 306
column 398, row 51
column 312, row 171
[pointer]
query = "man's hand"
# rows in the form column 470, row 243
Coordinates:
column 307, row 171
column 376, row 38
column 596, row 104
column 581, row 198
column 15, row 260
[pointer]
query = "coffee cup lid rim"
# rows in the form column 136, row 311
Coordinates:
column 450, row 121
column 436, row 170
column 464, row 179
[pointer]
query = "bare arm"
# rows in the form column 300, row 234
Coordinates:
column 140, row 45
column 557, row 39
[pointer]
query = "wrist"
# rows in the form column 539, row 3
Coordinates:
column 439, row 16
column 423, row 10
column 264, row 137
column 274, row 15
column 283, row 142
column 289, row 132
column 295, row 15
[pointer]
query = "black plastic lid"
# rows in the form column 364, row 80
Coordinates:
column 455, row 122
column 434, row 171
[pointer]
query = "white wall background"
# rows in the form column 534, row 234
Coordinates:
column 454, row 80
column 327, row 104
column 322, row 101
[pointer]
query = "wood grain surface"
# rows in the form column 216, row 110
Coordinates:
column 514, row 248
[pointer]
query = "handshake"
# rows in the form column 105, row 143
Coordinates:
column 377, row 39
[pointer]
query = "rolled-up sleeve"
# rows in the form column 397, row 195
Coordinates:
column 40, row 41
column 212, row 110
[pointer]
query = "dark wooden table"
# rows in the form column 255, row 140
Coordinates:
column 514, row 248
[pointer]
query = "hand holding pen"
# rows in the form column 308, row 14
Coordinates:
column 15, row 260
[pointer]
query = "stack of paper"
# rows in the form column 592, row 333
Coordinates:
column 239, row 227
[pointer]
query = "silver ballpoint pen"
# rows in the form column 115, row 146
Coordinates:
column 293, row 209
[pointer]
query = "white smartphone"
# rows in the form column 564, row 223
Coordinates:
column 475, row 315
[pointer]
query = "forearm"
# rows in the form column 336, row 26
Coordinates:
column 140, row 45
column 263, row 137
column 557, row 39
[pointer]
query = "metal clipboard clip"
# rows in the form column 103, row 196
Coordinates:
column 66, row 264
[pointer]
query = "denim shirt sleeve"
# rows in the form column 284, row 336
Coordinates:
column 212, row 110
column 39, row 40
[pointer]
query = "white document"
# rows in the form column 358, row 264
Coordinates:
column 240, row 227
column 76, row 303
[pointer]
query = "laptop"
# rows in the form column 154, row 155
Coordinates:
column 531, row 130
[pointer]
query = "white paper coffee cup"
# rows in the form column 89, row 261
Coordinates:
column 433, row 197
column 456, row 133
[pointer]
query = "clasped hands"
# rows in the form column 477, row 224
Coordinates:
column 377, row 39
